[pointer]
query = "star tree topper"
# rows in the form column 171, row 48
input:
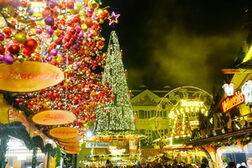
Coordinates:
column 113, row 18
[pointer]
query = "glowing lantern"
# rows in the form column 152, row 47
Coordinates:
column 228, row 89
column 247, row 91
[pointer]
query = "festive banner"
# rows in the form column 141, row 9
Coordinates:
column 53, row 117
column 29, row 76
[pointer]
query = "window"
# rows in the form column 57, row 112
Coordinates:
column 145, row 114
column 141, row 114
column 148, row 133
column 142, row 131
column 153, row 113
column 165, row 114
column 162, row 132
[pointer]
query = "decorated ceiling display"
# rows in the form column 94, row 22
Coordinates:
column 65, row 34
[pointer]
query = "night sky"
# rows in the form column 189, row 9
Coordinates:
column 179, row 42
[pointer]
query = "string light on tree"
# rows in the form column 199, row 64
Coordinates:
column 115, row 115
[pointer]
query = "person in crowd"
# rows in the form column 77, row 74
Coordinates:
column 108, row 164
column 231, row 165
column 242, row 166
column 138, row 165
column 203, row 165
column 182, row 165
column 189, row 166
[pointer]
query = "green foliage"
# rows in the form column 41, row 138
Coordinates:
column 69, row 160
column 34, row 157
column 58, row 156
column 3, row 149
column 37, row 142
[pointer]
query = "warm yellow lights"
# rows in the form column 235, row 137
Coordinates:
column 194, row 123
column 248, row 55
column 115, row 151
column 38, row 8
column 186, row 103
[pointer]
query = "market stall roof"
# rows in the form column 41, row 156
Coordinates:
column 241, row 133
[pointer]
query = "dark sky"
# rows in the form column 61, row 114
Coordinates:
column 179, row 42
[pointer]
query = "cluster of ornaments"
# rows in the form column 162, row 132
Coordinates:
column 66, row 34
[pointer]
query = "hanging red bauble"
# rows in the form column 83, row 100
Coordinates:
column 14, row 49
column 30, row 45
column 4, row 3
column 2, row 50
column 46, row 12
column 7, row 31
column 70, row 4
column 24, row 3
column 89, row 21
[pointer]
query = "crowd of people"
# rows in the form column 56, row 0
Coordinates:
column 156, row 165
column 174, row 165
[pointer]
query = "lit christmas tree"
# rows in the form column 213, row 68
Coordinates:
column 115, row 115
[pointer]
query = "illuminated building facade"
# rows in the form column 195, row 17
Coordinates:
column 146, row 115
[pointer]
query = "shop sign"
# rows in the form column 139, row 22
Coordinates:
column 228, row 89
column 29, row 76
column 64, row 132
column 53, row 117
column 186, row 103
column 233, row 101
column 97, row 145
column 187, row 106
column 247, row 91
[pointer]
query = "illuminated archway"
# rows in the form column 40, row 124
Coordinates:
column 184, row 104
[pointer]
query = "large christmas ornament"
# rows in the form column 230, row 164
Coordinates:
column 14, row 49
column 15, row 3
column 30, row 45
column 7, row 31
column 8, row 59
column 75, row 10
column 46, row 12
column 2, row 36
column 70, row 4
column 4, row 3
column 2, row 50
column 49, row 21
column 20, row 37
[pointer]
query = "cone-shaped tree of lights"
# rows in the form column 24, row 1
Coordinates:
column 115, row 115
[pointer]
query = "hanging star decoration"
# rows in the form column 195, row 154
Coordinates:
column 113, row 18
